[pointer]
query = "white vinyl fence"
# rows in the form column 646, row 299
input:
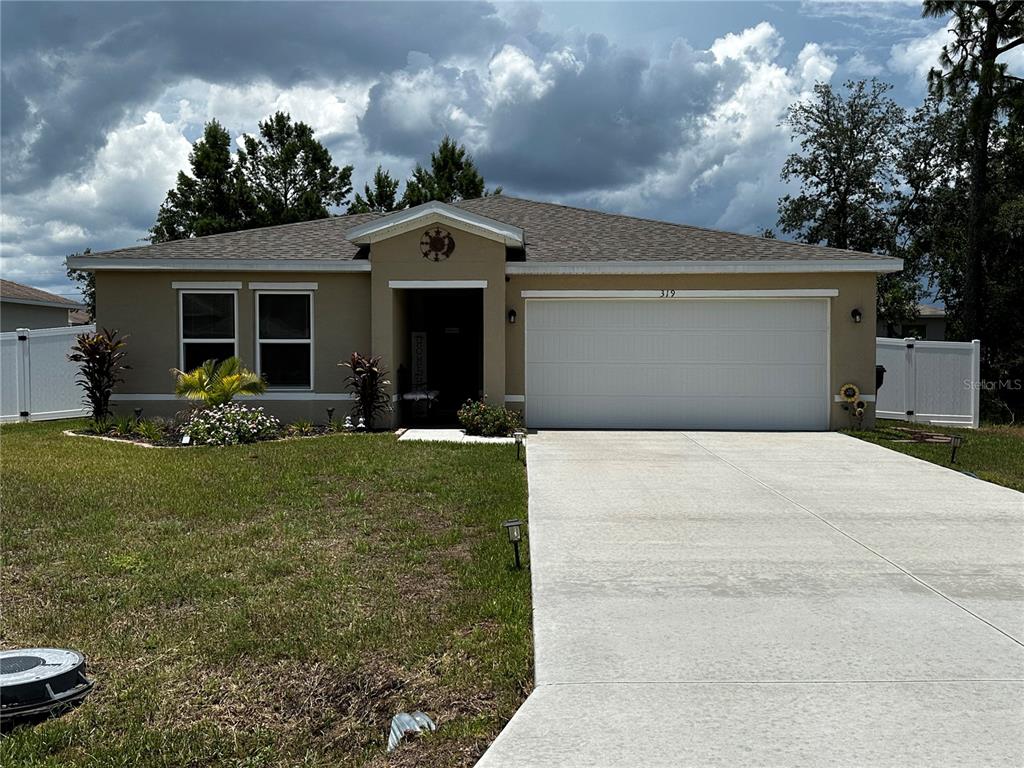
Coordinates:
column 933, row 382
column 37, row 381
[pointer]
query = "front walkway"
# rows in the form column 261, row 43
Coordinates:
column 767, row 599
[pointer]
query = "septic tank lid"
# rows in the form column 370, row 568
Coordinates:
column 38, row 681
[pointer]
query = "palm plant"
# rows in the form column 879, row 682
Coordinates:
column 218, row 384
column 369, row 384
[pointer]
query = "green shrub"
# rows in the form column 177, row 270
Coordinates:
column 123, row 426
column 230, row 424
column 97, row 426
column 214, row 383
column 101, row 359
column 153, row 431
column 480, row 418
column 302, row 427
column 368, row 382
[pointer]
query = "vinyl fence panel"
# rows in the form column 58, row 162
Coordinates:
column 931, row 382
column 37, row 381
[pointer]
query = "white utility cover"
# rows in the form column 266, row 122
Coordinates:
column 758, row 364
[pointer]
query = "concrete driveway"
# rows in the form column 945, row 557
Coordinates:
column 715, row 598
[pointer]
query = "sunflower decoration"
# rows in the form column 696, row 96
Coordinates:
column 849, row 392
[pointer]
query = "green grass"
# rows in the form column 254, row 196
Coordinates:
column 266, row 605
column 993, row 453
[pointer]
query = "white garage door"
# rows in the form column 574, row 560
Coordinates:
column 677, row 363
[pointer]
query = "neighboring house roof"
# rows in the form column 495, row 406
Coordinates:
column 79, row 317
column 26, row 294
column 554, row 234
column 925, row 310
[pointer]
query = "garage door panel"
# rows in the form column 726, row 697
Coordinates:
column 683, row 380
column 677, row 364
column 596, row 412
column 694, row 315
column 653, row 346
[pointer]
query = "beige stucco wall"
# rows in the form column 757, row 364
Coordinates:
column 14, row 316
column 360, row 312
column 145, row 306
column 474, row 258
column 852, row 345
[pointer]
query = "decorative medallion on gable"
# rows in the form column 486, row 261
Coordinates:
column 437, row 244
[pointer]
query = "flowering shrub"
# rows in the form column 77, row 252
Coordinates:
column 479, row 418
column 230, row 424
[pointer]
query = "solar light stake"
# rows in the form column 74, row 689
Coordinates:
column 519, row 442
column 515, row 534
column 330, row 415
column 955, row 441
column 138, row 413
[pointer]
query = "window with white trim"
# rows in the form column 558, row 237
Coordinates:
column 284, row 338
column 209, row 326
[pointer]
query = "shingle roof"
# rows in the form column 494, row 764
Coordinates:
column 554, row 233
column 18, row 292
column 562, row 233
column 317, row 239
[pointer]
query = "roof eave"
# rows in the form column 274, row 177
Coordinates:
column 737, row 266
column 93, row 264
column 42, row 303
column 400, row 222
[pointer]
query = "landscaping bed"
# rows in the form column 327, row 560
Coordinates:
column 993, row 453
column 266, row 604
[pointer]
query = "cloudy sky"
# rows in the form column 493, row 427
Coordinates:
column 663, row 110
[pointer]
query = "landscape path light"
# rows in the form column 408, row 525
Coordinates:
column 514, row 529
column 519, row 436
column 955, row 442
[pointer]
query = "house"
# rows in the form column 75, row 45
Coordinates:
column 929, row 324
column 579, row 318
column 22, row 306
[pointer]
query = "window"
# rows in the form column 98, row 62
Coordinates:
column 284, row 339
column 208, row 327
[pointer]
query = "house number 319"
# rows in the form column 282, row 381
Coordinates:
column 668, row 294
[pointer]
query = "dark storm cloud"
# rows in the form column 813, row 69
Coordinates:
column 87, row 65
column 585, row 116
column 603, row 124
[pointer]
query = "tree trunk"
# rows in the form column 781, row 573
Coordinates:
column 982, row 112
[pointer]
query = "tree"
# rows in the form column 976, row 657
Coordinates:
column 380, row 199
column 215, row 383
column 984, row 30
column 86, row 280
column 849, row 187
column 210, row 200
column 452, row 176
column 289, row 175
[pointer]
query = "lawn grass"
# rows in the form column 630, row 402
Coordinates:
column 993, row 453
column 266, row 605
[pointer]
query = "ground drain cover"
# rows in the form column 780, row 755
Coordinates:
column 36, row 683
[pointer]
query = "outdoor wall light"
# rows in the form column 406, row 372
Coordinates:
column 857, row 315
column 955, row 441
column 512, row 317
column 514, row 529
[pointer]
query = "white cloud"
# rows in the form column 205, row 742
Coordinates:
column 514, row 77
column 111, row 202
column 862, row 66
column 728, row 173
column 756, row 44
column 917, row 55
